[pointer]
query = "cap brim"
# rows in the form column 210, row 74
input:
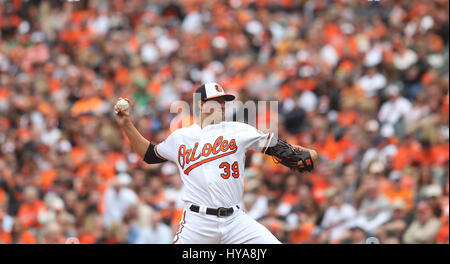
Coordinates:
column 227, row 97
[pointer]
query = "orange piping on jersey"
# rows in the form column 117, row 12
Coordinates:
column 195, row 165
column 157, row 154
column 181, row 227
column 267, row 142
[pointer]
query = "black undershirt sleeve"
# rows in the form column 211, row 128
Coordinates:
column 151, row 157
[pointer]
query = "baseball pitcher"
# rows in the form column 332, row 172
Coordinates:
column 210, row 156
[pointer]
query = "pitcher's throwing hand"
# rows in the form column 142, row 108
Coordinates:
column 122, row 110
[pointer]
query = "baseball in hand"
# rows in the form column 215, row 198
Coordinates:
column 122, row 105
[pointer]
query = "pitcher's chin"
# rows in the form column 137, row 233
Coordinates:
column 213, row 119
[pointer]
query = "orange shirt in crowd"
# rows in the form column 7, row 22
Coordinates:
column 444, row 107
column 303, row 234
column 47, row 178
column 105, row 170
column 78, row 154
column 442, row 236
column 290, row 198
column 330, row 148
column 320, row 186
column 404, row 193
column 84, row 106
column 2, row 195
column 4, row 93
column 28, row 213
column 5, row 237
column 154, row 87
column 406, row 154
column 87, row 239
column 307, row 84
column 347, row 117
column 27, row 237
column 440, row 155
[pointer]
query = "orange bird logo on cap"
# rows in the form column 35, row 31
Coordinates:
column 218, row 88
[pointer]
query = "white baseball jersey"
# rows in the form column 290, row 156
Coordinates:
column 211, row 160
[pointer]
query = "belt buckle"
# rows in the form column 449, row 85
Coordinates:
column 219, row 214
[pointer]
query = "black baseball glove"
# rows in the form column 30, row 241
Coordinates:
column 293, row 158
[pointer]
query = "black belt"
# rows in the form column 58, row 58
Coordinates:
column 219, row 212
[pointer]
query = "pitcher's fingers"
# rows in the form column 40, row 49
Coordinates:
column 117, row 110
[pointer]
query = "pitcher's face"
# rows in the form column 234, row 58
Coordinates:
column 213, row 111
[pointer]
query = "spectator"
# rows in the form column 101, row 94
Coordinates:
column 424, row 228
column 31, row 208
column 350, row 177
column 404, row 58
column 260, row 206
column 356, row 235
column 394, row 229
column 396, row 108
column 118, row 199
column 155, row 233
column 5, row 231
column 21, row 235
column 399, row 191
column 372, row 82
column 53, row 234
column 432, row 194
column 338, row 218
column 375, row 208
column 383, row 151
column 93, row 230
column 115, row 234
column 442, row 237
column 6, row 221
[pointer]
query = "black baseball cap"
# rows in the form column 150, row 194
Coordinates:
column 213, row 90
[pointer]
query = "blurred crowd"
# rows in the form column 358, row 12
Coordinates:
column 365, row 83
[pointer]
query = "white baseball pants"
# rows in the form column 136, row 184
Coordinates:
column 238, row 228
